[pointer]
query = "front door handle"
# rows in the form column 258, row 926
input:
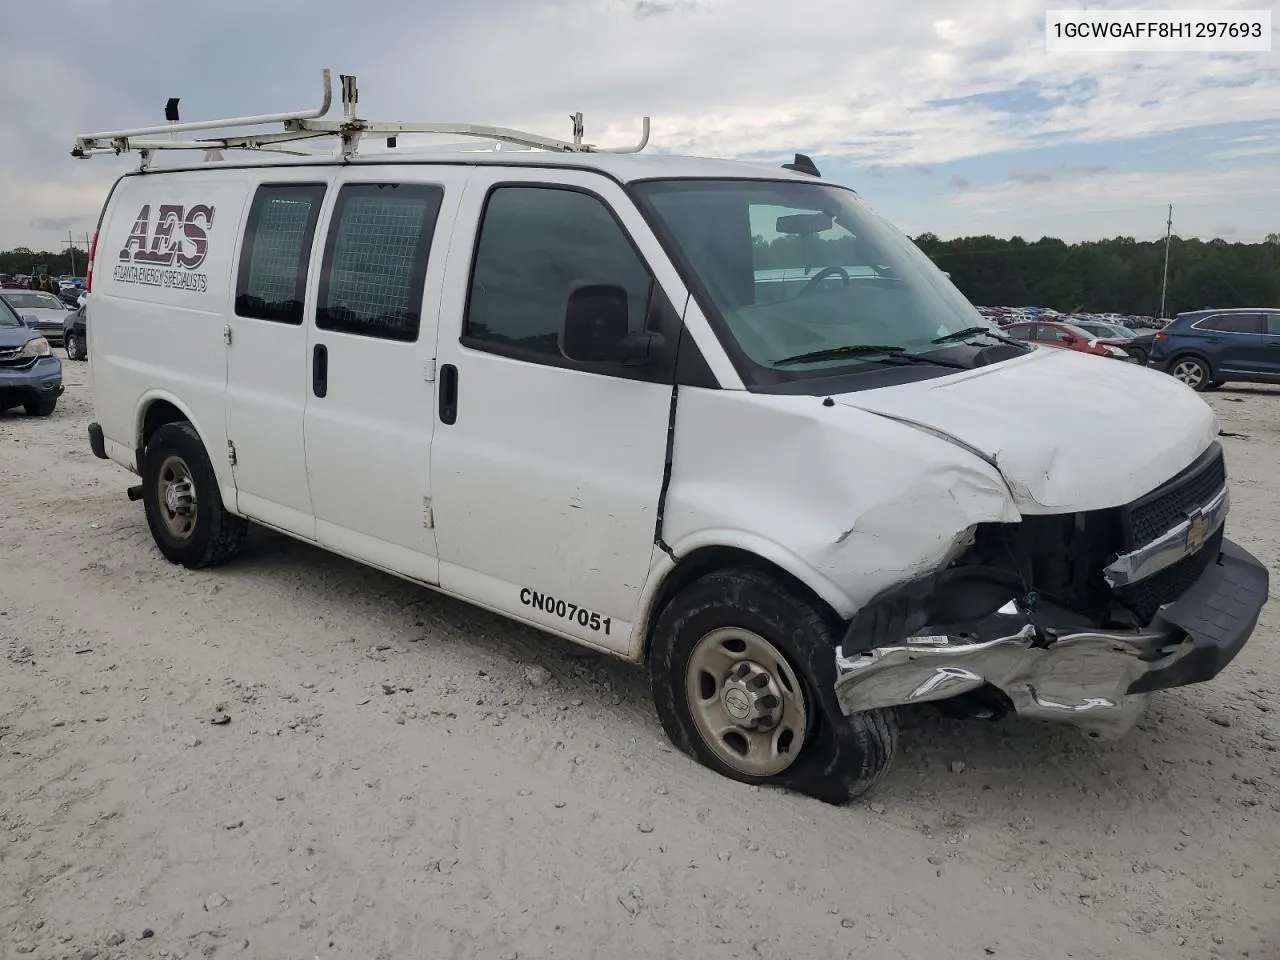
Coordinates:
column 320, row 370
column 448, row 393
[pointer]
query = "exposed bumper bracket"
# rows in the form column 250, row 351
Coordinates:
column 1098, row 680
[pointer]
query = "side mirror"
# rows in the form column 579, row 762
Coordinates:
column 30, row 319
column 597, row 329
column 1068, row 338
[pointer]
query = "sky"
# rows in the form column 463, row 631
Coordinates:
column 947, row 116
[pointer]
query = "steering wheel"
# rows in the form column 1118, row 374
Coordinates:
column 821, row 275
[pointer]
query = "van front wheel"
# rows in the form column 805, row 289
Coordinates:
column 743, row 674
column 184, row 508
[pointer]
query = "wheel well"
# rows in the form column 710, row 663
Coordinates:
column 711, row 559
column 158, row 414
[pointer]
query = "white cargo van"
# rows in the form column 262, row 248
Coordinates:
column 713, row 417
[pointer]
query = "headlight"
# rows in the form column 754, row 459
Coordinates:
column 1116, row 352
column 38, row 347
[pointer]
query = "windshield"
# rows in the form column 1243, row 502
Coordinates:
column 798, row 273
column 22, row 300
column 7, row 317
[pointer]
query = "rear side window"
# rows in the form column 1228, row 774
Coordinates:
column 276, row 253
column 375, row 261
column 536, row 244
column 1233, row 323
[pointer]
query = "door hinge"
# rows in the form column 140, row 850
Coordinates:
column 231, row 453
column 226, row 334
column 429, row 371
column 428, row 519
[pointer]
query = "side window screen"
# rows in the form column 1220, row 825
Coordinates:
column 272, row 278
column 376, row 260
column 536, row 244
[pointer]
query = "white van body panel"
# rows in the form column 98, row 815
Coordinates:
column 160, row 296
column 369, row 440
column 268, row 383
column 1057, row 423
column 546, row 489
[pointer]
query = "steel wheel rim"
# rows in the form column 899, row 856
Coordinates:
column 71, row 346
column 176, row 497
column 746, row 702
column 1189, row 372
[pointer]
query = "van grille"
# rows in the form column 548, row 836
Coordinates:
column 1169, row 504
column 1147, row 596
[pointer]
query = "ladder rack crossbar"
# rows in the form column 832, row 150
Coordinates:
column 305, row 125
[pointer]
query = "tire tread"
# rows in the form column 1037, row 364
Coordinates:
column 226, row 530
column 844, row 757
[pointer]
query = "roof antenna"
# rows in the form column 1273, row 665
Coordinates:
column 803, row 164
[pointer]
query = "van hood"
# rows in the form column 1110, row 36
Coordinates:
column 1068, row 431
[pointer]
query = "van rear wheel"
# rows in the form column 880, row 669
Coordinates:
column 188, row 520
column 743, row 674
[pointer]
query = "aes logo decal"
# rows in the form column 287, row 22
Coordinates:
column 167, row 251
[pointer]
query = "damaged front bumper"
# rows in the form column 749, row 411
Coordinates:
column 1098, row 680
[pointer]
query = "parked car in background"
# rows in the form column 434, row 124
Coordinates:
column 47, row 310
column 1064, row 336
column 30, row 375
column 1207, row 348
column 1137, row 345
column 74, row 335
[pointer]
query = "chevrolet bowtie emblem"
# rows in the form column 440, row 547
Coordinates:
column 1197, row 531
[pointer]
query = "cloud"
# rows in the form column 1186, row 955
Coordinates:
column 1130, row 204
column 959, row 182
column 900, row 85
column 1030, row 176
column 56, row 223
column 654, row 8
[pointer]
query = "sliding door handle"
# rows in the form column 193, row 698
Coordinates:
column 448, row 393
column 320, row 370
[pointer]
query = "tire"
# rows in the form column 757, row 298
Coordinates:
column 41, row 408
column 836, row 759
column 1139, row 355
column 1192, row 371
column 75, row 348
column 190, row 525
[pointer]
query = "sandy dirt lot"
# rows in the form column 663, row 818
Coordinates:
column 404, row 776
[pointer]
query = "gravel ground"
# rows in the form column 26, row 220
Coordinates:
column 405, row 776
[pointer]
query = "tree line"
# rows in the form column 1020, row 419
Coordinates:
column 1120, row 275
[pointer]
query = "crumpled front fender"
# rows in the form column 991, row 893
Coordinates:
column 849, row 502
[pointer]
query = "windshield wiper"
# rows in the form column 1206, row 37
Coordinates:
column 888, row 351
column 969, row 333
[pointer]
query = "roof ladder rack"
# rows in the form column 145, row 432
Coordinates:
column 303, row 125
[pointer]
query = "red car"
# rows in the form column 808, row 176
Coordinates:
column 1065, row 336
